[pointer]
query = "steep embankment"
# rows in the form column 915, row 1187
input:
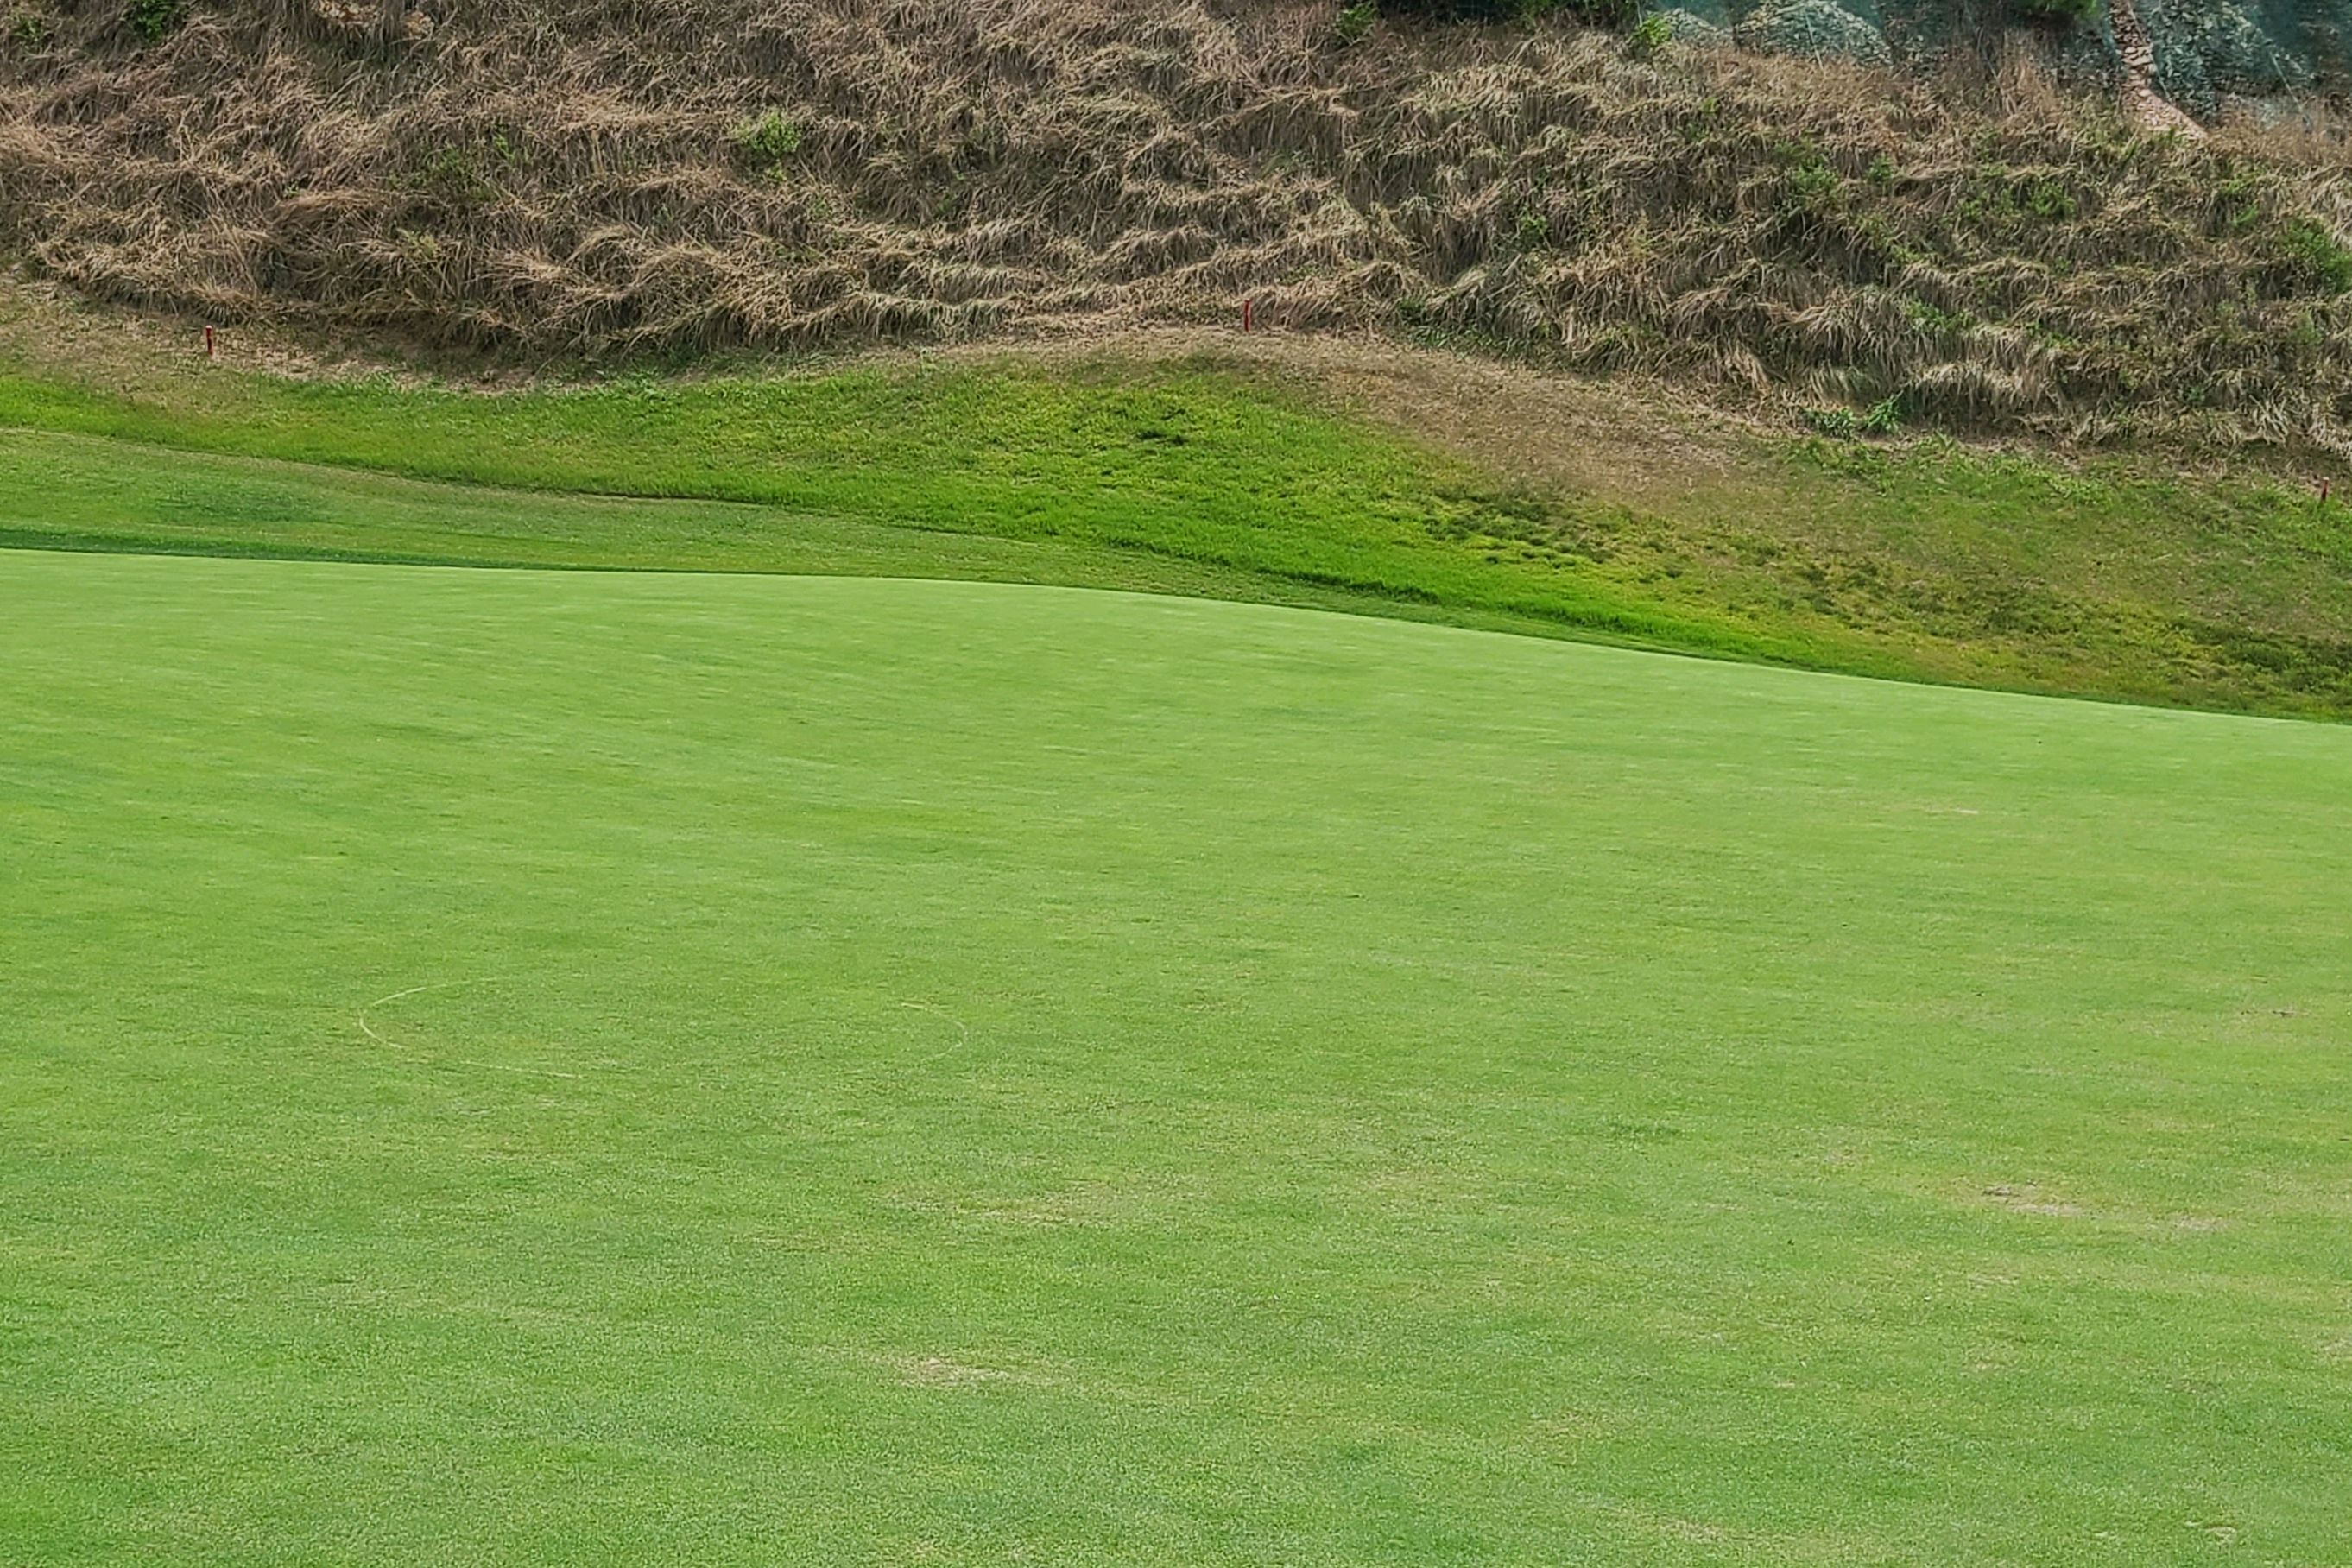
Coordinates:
column 677, row 175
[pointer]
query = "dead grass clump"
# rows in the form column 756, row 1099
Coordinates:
column 614, row 176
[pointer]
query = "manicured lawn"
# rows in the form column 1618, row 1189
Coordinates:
column 517, row 1067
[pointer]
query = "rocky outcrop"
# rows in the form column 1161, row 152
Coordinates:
column 2136, row 50
column 2173, row 60
column 1813, row 29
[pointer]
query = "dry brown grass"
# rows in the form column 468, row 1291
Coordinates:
column 576, row 177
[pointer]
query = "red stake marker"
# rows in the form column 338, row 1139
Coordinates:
column 1246, row 314
column 208, row 342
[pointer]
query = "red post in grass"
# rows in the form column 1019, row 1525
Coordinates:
column 1246, row 304
column 208, row 342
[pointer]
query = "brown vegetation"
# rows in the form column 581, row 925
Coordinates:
column 605, row 177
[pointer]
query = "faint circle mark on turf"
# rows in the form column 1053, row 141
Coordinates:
column 386, row 1040
column 963, row 1030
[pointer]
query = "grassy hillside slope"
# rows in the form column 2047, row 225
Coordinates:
column 508, row 1067
column 1231, row 473
column 672, row 175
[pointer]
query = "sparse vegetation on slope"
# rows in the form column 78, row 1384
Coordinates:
column 674, row 175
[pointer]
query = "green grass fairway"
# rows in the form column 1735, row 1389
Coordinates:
column 602, row 1069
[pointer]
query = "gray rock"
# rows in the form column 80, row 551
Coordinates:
column 1813, row 29
column 1689, row 27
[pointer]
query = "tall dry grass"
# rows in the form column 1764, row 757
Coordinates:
column 631, row 176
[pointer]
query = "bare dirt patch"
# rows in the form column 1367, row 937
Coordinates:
column 2031, row 1199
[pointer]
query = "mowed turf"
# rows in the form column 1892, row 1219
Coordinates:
column 518, row 1067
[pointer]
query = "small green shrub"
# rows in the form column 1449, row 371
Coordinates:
column 28, row 30
column 2046, row 199
column 1933, row 319
column 766, row 140
column 2237, row 204
column 2002, row 201
column 1813, row 185
column 1884, row 417
column 153, row 19
column 452, row 175
column 2307, row 245
column 1354, row 23
column 1651, row 33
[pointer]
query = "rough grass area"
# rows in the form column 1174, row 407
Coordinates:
column 674, row 175
column 1209, row 476
column 516, row 1067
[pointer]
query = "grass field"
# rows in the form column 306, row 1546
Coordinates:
column 521, row 1066
column 1229, row 478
